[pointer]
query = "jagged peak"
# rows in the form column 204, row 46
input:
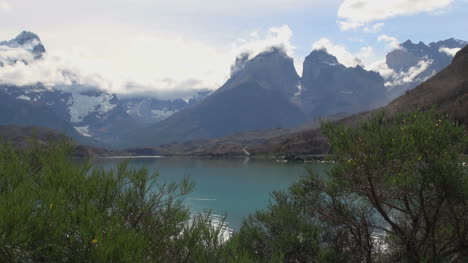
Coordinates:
column 322, row 56
column 29, row 41
column 26, row 36
column 275, row 51
column 267, row 56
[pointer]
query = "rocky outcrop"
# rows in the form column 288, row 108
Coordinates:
column 328, row 87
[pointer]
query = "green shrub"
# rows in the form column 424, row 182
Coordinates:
column 397, row 193
column 54, row 209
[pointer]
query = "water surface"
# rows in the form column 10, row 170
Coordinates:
column 231, row 187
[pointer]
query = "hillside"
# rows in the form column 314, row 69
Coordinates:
column 22, row 137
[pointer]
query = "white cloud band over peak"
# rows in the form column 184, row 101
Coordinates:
column 153, row 63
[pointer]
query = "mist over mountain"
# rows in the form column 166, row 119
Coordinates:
column 81, row 111
column 263, row 92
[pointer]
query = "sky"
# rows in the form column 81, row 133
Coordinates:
column 169, row 49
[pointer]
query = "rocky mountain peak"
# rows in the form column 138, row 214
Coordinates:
column 26, row 36
column 272, row 69
column 322, row 56
column 420, row 61
column 28, row 41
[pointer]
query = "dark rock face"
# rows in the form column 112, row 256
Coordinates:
column 328, row 87
column 415, row 63
column 272, row 69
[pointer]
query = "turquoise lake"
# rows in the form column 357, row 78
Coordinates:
column 231, row 187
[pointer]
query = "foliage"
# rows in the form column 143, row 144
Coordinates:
column 397, row 193
column 53, row 209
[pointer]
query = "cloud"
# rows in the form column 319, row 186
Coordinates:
column 382, row 67
column 9, row 55
column 157, row 64
column 375, row 28
column 5, row 6
column 339, row 51
column 393, row 42
column 353, row 14
column 409, row 76
column 449, row 51
column 257, row 42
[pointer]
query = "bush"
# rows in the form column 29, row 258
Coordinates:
column 397, row 193
column 53, row 209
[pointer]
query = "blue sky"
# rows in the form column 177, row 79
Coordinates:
column 163, row 46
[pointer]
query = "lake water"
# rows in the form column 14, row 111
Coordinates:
column 231, row 187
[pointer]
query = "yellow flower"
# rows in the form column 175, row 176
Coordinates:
column 94, row 241
column 51, row 206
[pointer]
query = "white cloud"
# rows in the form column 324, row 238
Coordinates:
column 274, row 37
column 339, row 51
column 9, row 55
column 374, row 28
column 158, row 64
column 382, row 67
column 393, row 42
column 5, row 6
column 354, row 14
column 449, row 51
column 408, row 76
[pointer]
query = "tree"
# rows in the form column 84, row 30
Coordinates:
column 396, row 193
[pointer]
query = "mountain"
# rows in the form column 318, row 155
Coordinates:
column 265, row 92
column 148, row 110
column 411, row 64
column 28, row 113
column 257, row 96
column 446, row 92
column 88, row 110
column 26, row 47
column 77, row 110
column 328, row 87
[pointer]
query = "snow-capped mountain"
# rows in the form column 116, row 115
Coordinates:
column 148, row 110
column 412, row 64
column 25, row 48
column 91, row 112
